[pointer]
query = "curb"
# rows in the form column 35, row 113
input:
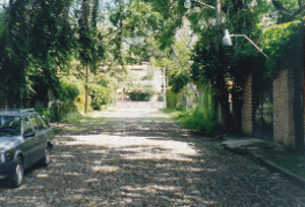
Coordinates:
column 288, row 174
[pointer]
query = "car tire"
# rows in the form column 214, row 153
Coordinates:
column 45, row 161
column 16, row 179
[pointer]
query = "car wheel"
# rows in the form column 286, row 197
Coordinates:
column 16, row 179
column 46, row 158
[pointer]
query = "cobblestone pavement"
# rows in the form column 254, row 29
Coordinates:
column 142, row 158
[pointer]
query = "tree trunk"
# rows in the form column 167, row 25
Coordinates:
column 86, row 90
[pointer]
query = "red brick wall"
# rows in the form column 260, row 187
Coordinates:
column 247, row 116
column 283, row 112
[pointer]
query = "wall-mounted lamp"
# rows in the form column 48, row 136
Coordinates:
column 227, row 41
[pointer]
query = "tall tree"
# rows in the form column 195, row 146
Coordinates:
column 85, row 44
column 36, row 42
column 91, row 49
column 52, row 43
column 14, row 44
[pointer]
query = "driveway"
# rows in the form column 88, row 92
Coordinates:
column 139, row 157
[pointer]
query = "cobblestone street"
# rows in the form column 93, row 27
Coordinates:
column 139, row 157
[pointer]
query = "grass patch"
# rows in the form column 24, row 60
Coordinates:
column 195, row 120
column 174, row 113
column 73, row 117
column 293, row 163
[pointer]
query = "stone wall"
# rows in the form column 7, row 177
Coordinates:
column 247, row 116
column 283, row 111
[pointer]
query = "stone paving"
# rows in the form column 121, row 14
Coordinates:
column 139, row 157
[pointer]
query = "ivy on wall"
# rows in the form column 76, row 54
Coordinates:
column 284, row 45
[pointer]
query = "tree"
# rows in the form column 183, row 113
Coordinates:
column 90, row 47
column 35, row 44
column 14, row 46
column 217, row 67
column 52, row 43
column 288, row 10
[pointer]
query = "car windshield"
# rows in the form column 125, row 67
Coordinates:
column 10, row 125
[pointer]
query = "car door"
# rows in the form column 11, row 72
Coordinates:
column 39, row 136
column 47, row 129
column 30, row 142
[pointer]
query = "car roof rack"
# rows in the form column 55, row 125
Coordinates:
column 28, row 110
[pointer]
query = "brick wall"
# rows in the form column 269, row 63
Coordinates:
column 247, row 116
column 283, row 112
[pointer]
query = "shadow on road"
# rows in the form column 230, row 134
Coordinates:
column 145, row 160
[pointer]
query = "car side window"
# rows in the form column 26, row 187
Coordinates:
column 43, row 122
column 36, row 124
column 27, row 126
column 41, row 127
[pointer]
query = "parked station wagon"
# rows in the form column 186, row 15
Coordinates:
column 25, row 139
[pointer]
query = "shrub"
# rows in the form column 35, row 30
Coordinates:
column 100, row 96
column 69, row 91
column 141, row 92
column 282, row 43
column 39, row 107
column 72, row 117
column 171, row 98
column 138, row 96
column 59, row 110
column 198, row 121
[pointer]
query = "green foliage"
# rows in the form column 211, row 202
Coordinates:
column 206, row 104
column 132, row 34
column 90, row 40
column 171, row 99
column 203, row 117
column 198, row 121
column 290, row 162
column 172, row 12
column 40, row 108
column 14, row 48
column 35, row 43
column 139, row 96
column 178, row 62
column 141, row 92
column 72, row 117
column 287, row 10
column 69, row 91
column 100, row 96
column 282, row 44
column 178, row 81
column 59, row 110
column 209, row 63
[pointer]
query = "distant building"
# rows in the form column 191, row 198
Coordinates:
column 147, row 83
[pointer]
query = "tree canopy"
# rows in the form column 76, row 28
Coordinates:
column 43, row 41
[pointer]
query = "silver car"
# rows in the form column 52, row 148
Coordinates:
column 25, row 139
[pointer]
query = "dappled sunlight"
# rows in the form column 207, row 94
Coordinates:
column 151, row 188
column 42, row 175
column 105, row 168
column 122, row 113
column 134, row 161
column 139, row 147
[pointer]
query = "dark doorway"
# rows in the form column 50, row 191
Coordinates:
column 262, row 109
